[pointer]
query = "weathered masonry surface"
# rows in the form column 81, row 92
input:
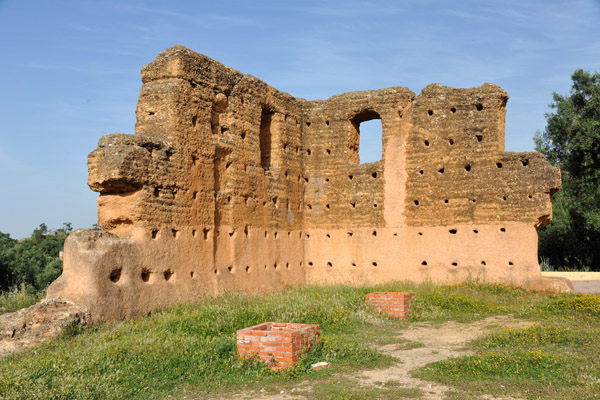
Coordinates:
column 231, row 185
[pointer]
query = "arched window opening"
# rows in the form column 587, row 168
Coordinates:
column 265, row 138
column 366, row 138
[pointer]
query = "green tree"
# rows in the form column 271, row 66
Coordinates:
column 40, row 233
column 6, row 272
column 33, row 261
column 65, row 230
column 571, row 141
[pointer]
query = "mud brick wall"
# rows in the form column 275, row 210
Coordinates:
column 231, row 185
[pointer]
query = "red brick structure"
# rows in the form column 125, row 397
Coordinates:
column 394, row 304
column 280, row 345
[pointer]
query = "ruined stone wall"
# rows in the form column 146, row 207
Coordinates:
column 205, row 197
column 230, row 185
column 445, row 204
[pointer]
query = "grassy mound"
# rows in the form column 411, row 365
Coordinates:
column 192, row 347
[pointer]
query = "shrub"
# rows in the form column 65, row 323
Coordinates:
column 18, row 297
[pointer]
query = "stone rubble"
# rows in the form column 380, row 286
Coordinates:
column 39, row 323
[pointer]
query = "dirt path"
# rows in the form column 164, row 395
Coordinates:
column 440, row 342
column 418, row 345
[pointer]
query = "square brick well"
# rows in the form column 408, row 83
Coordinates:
column 283, row 342
column 394, row 304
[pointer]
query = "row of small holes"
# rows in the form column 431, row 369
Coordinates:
column 454, row 231
column 451, row 141
column 276, row 234
column 330, row 264
column 350, row 177
column 374, row 233
column 373, row 175
column 286, row 174
column 326, row 123
column 447, row 201
column 349, row 233
column 307, row 235
column 206, row 231
column 243, row 136
column 478, row 106
column 273, row 200
column 115, row 275
column 309, row 152
column 328, row 207
column 455, row 264
column 524, row 163
column 475, row 231
column 248, row 269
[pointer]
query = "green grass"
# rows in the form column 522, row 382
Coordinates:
column 192, row 347
column 587, row 305
column 556, row 358
column 19, row 297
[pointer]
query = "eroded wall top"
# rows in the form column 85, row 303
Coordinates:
column 214, row 147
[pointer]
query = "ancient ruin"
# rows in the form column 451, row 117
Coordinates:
column 231, row 185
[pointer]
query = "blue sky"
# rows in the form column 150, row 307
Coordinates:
column 70, row 70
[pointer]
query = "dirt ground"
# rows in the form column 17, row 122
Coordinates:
column 439, row 342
